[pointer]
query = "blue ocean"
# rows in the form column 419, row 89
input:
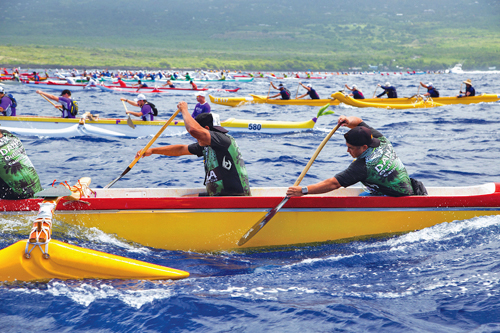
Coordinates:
column 444, row 278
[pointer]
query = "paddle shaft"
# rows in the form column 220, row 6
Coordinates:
column 59, row 106
column 375, row 91
column 125, row 106
column 262, row 222
column 297, row 93
column 269, row 91
column 150, row 143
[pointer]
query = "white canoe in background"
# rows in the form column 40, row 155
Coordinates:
column 109, row 127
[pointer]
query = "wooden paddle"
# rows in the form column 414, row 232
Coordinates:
column 263, row 221
column 375, row 91
column 60, row 106
column 129, row 120
column 297, row 93
column 205, row 86
column 269, row 91
column 144, row 150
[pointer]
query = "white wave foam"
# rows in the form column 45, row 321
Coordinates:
column 266, row 293
column 443, row 231
column 15, row 224
column 85, row 294
column 310, row 261
column 96, row 235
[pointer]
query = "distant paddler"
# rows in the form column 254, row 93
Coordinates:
column 431, row 91
column 68, row 107
column 193, row 85
column 284, row 92
column 389, row 90
column 202, row 106
column 148, row 109
column 469, row 90
column 140, row 85
column 356, row 93
column 169, row 84
column 310, row 91
column 8, row 104
column 37, row 78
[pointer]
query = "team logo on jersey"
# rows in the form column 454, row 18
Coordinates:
column 211, row 177
column 226, row 164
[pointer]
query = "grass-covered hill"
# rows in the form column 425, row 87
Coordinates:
column 245, row 34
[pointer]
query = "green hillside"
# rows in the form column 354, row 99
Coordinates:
column 253, row 35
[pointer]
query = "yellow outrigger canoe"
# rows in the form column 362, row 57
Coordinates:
column 360, row 103
column 257, row 99
column 174, row 219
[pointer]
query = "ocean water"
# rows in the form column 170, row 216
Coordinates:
column 441, row 279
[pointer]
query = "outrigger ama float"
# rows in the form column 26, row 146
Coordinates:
column 40, row 258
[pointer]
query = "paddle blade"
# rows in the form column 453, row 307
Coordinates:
column 130, row 122
column 119, row 177
column 261, row 223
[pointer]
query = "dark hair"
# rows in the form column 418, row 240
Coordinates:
column 65, row 91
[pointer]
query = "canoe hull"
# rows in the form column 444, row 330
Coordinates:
column 65, row 127
column 485, row 98
column 256, row 99
column 193, row 224
column 388, row 103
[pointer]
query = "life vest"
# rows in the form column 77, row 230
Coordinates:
column 73, row 109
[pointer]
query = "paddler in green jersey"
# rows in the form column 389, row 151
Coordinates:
column 376, row 166
column 225, row 172
column 18, row 177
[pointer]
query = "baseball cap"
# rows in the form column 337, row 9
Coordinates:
column 387, row 84
column 429, row 84
column 309, row 85
column 200, row 93
column 211, row 120
column 140, row 97
column 65, row 91
column 354, row 86
column 2, row 90
column 360, row 136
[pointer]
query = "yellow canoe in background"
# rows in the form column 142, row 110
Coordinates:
column 258, row 99
column 389, row 103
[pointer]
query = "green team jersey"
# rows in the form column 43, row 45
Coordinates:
column 225, row 171
column 379, row 169
column 18, row 177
